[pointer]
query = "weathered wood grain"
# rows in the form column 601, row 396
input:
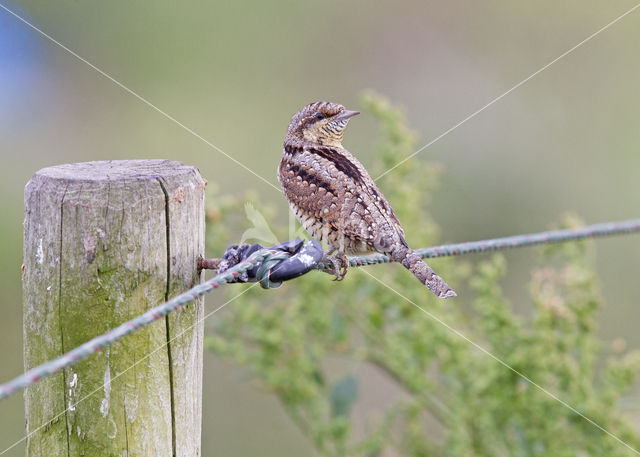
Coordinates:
column 105, row 241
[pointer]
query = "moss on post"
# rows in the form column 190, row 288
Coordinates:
column 105, row 241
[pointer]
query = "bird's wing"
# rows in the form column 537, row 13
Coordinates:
column 311, row 192
column 330, row 185
column 302, row 187
column 317, row 193
column 376, row 199
column 379, row 200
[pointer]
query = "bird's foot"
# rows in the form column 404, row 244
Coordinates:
column 340, row 265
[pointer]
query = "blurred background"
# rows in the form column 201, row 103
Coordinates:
column 235, row 72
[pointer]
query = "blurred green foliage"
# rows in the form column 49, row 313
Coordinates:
column 455, row 399
column 234, row 72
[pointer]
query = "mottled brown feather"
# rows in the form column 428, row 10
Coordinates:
column 334, row 197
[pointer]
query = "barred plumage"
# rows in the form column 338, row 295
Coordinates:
column 334, row 197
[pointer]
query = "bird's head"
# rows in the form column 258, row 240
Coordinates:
column 321, row 123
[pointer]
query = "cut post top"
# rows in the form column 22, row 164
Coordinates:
column 116, row 170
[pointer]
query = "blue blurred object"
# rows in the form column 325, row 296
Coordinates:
column 19, row 53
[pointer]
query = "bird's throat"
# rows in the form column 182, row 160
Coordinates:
column 324, row 136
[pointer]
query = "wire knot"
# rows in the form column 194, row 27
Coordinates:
column 270, row 260
column 273, row 265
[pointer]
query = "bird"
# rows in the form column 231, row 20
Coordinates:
column 335, row 199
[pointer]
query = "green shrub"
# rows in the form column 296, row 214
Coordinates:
column 454, row 399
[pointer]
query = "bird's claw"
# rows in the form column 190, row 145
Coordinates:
column 340, row 265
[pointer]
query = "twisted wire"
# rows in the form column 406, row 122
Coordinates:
column 495, row 244
column 99, row 342
column 270, row 258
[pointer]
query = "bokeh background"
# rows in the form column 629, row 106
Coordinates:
column 235, row 71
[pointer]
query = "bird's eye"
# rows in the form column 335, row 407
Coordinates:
column 319, row 115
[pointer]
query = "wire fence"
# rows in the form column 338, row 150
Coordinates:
column 273, row 257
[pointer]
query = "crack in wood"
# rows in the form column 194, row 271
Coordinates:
column 166, row 319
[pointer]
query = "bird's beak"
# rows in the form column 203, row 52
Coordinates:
column 346, row 114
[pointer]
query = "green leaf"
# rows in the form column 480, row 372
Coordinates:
column 260, row 231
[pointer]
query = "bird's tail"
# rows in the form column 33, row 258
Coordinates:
column 412, row 262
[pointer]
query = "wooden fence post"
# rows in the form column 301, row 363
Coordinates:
column 104, row 242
